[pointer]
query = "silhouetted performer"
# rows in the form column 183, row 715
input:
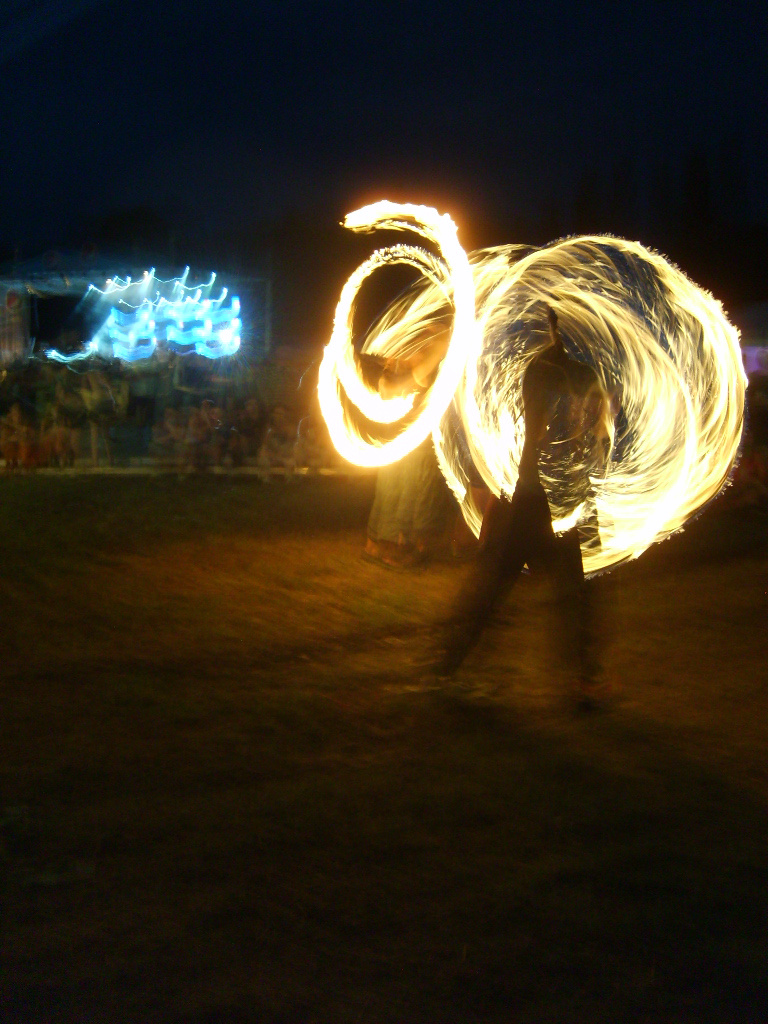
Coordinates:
column 563, row 405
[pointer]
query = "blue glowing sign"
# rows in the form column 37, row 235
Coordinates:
column 138, row 316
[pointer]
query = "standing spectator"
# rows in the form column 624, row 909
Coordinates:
column 196, row 439
column 277, row 448
column 410, row 511
column 411, row 505
column 168, row 437
column 11, row 437
column 251, row 425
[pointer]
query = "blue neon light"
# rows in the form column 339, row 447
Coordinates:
column 183, row 319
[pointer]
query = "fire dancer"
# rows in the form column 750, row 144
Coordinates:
column 563, row 404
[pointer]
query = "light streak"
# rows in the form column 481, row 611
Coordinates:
column 662, row 348
column 149, row 312
column 340, row 386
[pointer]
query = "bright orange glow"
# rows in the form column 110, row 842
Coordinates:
column 662, row 348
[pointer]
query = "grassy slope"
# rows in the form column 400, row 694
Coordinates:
column 226, row 795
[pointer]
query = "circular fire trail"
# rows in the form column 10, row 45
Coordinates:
column 667, row 358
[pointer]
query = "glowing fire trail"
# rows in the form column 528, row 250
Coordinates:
column 663, row 349
column 450, row 275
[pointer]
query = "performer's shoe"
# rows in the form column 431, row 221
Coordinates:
column 385, row 554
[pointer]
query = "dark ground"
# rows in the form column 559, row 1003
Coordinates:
column 227, row 794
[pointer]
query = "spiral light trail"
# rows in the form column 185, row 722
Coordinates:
column 663, row 350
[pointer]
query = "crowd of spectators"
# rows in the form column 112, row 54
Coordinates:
column 182, row 414
column 186, row 415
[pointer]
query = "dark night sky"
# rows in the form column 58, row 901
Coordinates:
column 516, row 118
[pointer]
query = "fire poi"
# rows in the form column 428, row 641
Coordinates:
column 662, row 347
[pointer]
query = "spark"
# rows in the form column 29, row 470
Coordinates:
column 662, row 348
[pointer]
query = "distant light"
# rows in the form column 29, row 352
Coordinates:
column 181, row 318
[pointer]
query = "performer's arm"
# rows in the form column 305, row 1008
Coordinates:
column 554, row 333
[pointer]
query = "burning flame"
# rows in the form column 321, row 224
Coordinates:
column 666, row 356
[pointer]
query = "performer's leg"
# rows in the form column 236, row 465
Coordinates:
column 383, row 521
column 505, row 542
column 574, row 600
column 432, row 505
column 407, row 496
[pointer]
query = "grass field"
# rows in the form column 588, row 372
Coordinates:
column 228, row 796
